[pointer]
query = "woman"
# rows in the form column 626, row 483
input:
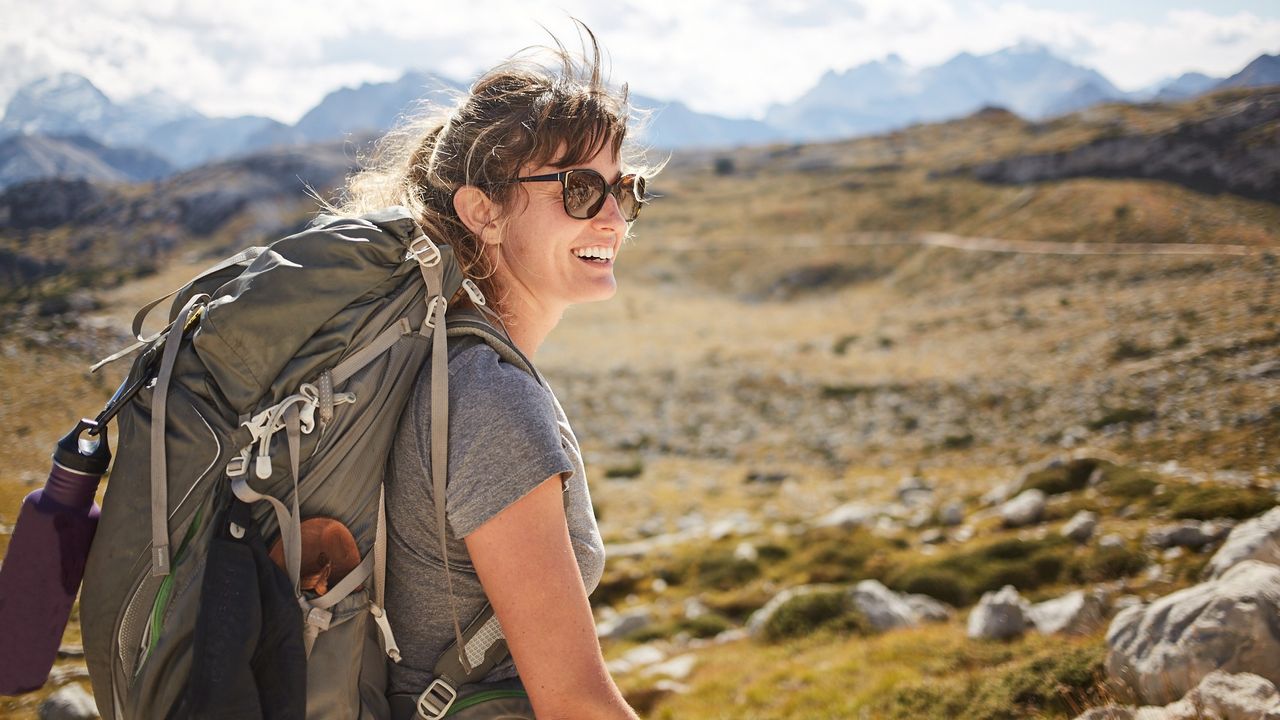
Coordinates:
column 525, row 180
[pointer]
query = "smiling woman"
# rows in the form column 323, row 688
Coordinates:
column 528, row 180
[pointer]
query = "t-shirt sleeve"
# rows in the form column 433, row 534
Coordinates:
column 503, row 438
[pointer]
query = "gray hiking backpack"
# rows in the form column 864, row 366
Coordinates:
column 272, row 397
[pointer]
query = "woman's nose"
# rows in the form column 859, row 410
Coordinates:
column 610, row 215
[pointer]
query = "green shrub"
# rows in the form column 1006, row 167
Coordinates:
column 1122, row 415
column 1126, row 483
column 963, row 576
column 936, row 583
column 1206, row 502
column 1058, row 681
column 1109, row 563
column 722, row 571
column 706, row 625
column 806, row 614
column 631, row 470
column 1070, row 476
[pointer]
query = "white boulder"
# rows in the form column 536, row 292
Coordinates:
column 1256, row 539
column 1076, row 613
column 884, row 608
column 1164, row 649
column 1025, row 509
column 1081, row 526
column 999, row 615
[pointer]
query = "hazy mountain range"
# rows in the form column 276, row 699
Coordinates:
column 64, row 126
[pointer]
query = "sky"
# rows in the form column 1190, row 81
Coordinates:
column 280, row 57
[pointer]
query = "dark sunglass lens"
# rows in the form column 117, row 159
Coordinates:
column 583, row 194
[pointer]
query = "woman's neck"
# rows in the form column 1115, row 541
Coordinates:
column 528, row 323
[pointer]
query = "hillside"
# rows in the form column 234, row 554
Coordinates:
column 826, row 364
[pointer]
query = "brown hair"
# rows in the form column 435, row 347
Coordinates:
column 522, row 112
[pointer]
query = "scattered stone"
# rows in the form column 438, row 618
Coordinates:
column 933, row 536
column 952, row 513
column 1076, row 613
column 913, row 490
column 695, row 608
column 848, row 516
column 963, row 534
column 999, row 615
column 70, row 702
column 1025, row 509
column 677, row 668
column 1188, row 533
column 71, row 651
column 1221, row 695
column 623, row 624
column 1111, row 540
column 1164, row 649
column 1081, row 526
column 1256, row 539
column 746, row 552
column 658, row 585
column 926, row 608
column 883, row 608
column 636, row 657
column 1173, row 553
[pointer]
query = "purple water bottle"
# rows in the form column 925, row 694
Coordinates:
column 45, row 561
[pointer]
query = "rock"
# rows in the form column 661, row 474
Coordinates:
column 883, row 608
column 926, row 608
column 765, row 478
column 1256, row 539
column 677, row 668
column 933, row 536
column 1076, row 613
column 70, row 702
column 1188, row 533
column 636, row 657
column 952, row 513
column 848, row 516
column 71, row 651
column 999, row 615
column 623, row 624
column 1024, row 509
column 1164, row 649
column 1220, row 695
column 746, row 552
column 1107, row 712
column 1000, row 492
column 67, row 673
column 1111, row 540
column 694, row 608
column 1081, row 526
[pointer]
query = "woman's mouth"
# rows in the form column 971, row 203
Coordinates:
column 596, row 255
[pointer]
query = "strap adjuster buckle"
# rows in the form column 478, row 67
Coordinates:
column 436, row 700
column 424, row 251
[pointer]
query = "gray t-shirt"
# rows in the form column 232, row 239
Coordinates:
column 507, row 434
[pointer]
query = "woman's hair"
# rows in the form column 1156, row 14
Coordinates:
column 543, row 106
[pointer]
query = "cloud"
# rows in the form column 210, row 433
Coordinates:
column 231, row 57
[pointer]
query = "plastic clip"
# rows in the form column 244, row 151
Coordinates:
column 424, row 251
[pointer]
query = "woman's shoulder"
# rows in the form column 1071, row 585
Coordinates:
column 479, row 376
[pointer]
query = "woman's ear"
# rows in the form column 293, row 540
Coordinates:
column 478, row 212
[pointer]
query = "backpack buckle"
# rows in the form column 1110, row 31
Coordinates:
column 473, row 291
column 424, row 251
column 436, row 700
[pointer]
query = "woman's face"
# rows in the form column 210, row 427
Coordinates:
column 541, row 264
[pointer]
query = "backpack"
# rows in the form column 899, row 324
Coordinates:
column 272, row 399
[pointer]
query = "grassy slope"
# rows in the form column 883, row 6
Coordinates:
column 1000, row 347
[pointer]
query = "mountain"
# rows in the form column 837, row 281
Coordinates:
column 63, row 104
column 880, row 95
column 1264, row 70
column 671, row 125
column 193, row 141
column 30, row 157
column 1185, row 85
column 374, row 106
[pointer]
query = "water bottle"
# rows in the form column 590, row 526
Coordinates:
column 45, row 562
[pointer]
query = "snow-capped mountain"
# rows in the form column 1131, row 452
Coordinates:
column 884, row 94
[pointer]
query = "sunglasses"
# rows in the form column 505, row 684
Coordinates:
column 584, row 192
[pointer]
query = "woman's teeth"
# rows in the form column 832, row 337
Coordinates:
column 595, row 254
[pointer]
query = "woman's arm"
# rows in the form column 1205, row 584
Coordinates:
column 525, row 562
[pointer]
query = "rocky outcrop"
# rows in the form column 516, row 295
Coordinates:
column 69, row 703
column 1256, row 539
column 1164, row 649
column 1188, row 534
column 1230, row 152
